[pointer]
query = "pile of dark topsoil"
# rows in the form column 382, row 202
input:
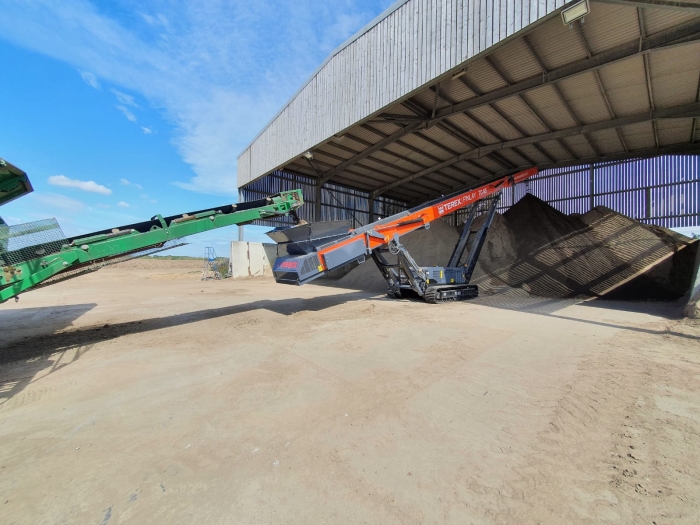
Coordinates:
column 547, row 253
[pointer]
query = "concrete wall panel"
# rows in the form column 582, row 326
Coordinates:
column 251, row 259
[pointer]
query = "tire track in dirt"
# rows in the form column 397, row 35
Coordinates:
column 609, row 452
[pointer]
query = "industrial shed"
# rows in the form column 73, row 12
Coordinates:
column 435, row 96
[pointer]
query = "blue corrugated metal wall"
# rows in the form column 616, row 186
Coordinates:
column 337, row 202
column 664, row 191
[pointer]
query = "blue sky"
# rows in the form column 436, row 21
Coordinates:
column 120, row 110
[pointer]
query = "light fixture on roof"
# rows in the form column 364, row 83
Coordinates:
column 575, row 12
column 459, row 74
column 309, row 155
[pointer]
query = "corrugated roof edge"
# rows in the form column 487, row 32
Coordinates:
column 337, row 50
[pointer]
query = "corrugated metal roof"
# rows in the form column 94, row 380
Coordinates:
column 517, row 61
column 534, row 153
column 548, row 105
column 556, row 150
column 557, row 45
column 517, row 112
column 625, row 84
column 674, row 131
column 466, row 122
column 490, row 118
column 608, row 26
column 456, row 89
column 541, row 82
column 607, row 141
column 483, row 77
column 675, row 74
column 582, row 93
column 657, row 20
column 579, row 146
column 640, row 136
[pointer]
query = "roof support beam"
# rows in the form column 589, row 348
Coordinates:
column 658, row 4
column 318, row 174
column 678, row 149
column 384, row 151
column 686, row 33
column 601, row 87
column 352, row 151
column 417, row 109
column 507, row 119
column 561, row 96
column 500, row 137
column 298, row 169
column 471, row 87
column 505, row 79
column 647, row 73
column 693, row 134
column 445, row 126
column 471, row 141
column 356, row 174
column 367, row 152
column 410, row 148
column 684, row 111
column 650, row 95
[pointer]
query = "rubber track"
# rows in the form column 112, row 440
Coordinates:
column 431, row 293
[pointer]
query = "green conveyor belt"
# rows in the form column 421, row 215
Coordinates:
column 98, row 247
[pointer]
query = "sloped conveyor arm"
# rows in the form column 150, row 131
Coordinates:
column 90, row 250
column 309, row 260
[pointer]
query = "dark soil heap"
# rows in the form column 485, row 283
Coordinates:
column 601, row 253
column 537, row 248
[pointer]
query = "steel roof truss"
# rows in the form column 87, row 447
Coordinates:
column 683, row 111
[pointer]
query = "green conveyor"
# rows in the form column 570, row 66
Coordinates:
column 32, row 266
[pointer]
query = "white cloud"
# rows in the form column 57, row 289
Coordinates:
column 150, row 20
column 128, row 114
column 123, row 204
column 211, row 66
column 90, row 79
column 126, row 182
column 123, row 98
column 157, row 20
column 51, row 202
column 84, row 185
column 146, row 130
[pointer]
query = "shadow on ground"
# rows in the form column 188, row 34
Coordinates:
column 521, row 301
column 14, row 377
column 20, row 362
column 15, row 321
column 73, row 339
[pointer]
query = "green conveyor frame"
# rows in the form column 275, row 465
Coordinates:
column 86, row 251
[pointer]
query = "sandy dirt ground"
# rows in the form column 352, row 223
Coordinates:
column 139, row 394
